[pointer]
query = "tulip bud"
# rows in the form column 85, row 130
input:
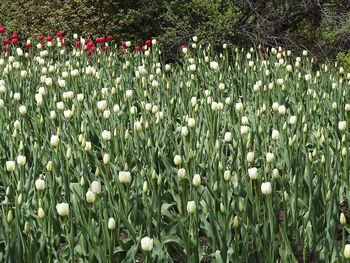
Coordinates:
column 69, row 153
column 240, row 206
column 145, row 187
column 347, row 251
column 40, row 184
column 184, row 131
column 177, row 160
column 111, row 223
column 227, row 175
column 239, row 107
column 250, row 157
column 106, row 158
column 344, row 151
column 191, row 207
column 275, row 135
column 266, row 188
column 270, row 157
column 20, row 199
column 10, row 166
column 342, row 125
column 253, row 173
column 54, row 140
column 90, row 197
column 82, row 181
column 159, row 181
column 87, row 147
column 41, row 213
column 181, row 173
column 222, row 208
column 26, row 227
column 196, row 181
column 216, row 186
column 147, row 244
column 96, row 187
column 275, row 173
column 228, row 137
column 62, row 209
column 342, row 219
column 49, row 166
column 9, row 216
column 191, row 122
column 21, row 160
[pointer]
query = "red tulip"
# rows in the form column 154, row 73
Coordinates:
column 27, row 45
column 59, row 34
column 124, row 43
column 6, row 41
column 109, row 38
column 100, row 39
column 31, row 50
column 90, row 56
column 4, row 53
column 264, row 54
column 2, row 30
column 148, row 43
column 282, row 54
column 122, row 50
column 78, row 44
column 42, row 45
column 41, row 38
column 183, row 46
column 49, row 38
column 4, row 48
column 88, row 52
column 105, row 48
column 93, row 48
column 143, row 48
column 14, row 36
column 87, row 41
column 137, row 48
column 15, row 41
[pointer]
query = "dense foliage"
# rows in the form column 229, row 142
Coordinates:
column 321, row 27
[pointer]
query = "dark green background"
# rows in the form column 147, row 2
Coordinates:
column 321, row 27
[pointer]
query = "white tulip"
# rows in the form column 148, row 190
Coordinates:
column 253, row 173
column 40, row 184
column 147, row 244
column 62, row 209
column 191, row 207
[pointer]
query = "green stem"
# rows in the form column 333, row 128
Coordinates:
column 343, row 245
column 270, row 211
column 111, row 246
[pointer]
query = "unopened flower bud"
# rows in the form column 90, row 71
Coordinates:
column 49, row 166
column 342, row 219
column 111, row 223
